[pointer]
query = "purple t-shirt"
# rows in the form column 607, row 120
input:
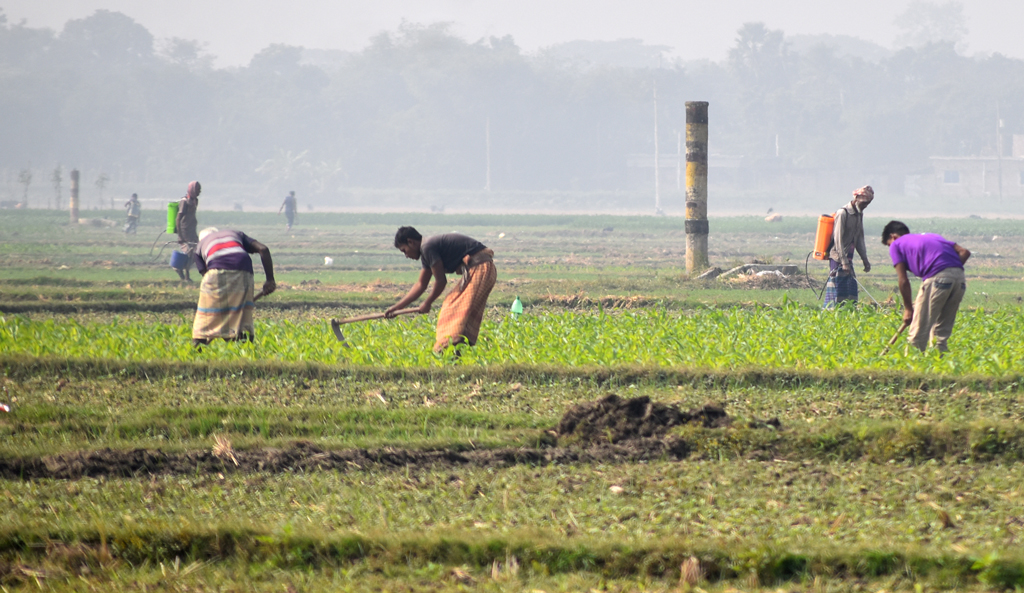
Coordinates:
column 925, row 255
column 225, row 250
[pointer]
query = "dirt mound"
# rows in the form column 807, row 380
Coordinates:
column 615, row 420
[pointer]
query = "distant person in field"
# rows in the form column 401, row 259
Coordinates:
column 226, row 300
column 134, row 209
column 847, row 237
column 290, row 208
column 939, row 263
column 463, row 308
column 186, row 225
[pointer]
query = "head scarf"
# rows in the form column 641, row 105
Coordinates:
column 193, row 190
column 865, row 191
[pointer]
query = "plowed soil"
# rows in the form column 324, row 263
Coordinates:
column 610, row 430
column 305, row 456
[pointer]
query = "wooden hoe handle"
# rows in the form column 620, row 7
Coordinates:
column 372, row 316
column 895, row 337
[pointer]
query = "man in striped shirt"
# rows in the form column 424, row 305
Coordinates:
column 226, row 298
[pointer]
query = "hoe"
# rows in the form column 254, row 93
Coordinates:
column 337, row 323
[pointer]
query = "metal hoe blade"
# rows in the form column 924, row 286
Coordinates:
column 336, row 328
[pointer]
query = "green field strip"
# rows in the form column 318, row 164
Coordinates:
column 369, row 575
column 25, row 221
column 934, row 508
column 541, row 555
column 352, row 301
column 769, row 566
column 47, row 429
column 877, row 442
column 788, row 337
column 29, row 436
column 808, row 406
column 22, row 367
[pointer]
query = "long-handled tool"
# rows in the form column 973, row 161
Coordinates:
column 895, row 337
column 337, row 323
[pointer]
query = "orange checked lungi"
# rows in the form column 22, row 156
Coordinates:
column 463, row 308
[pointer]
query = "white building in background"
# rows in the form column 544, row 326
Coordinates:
column 971, row 176
column 983, row 178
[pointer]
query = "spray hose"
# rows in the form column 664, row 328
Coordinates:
column 830, row 275
column 821, row 292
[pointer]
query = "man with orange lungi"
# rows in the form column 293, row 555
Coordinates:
column 463, row 308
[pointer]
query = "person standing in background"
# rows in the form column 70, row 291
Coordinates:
column 290, row 208
column 187, row 225
column 134, row 210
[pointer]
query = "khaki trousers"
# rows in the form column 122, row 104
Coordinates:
column 935, row 308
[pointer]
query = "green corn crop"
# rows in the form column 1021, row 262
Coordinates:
column 987, row 343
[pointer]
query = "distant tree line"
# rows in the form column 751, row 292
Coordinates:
column 413, row 107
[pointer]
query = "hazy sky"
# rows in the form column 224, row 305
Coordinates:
column 236, row 29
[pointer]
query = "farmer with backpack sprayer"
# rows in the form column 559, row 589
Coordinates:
column 847, row 237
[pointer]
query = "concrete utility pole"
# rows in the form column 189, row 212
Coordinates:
column 73, row 205
column 696, row 186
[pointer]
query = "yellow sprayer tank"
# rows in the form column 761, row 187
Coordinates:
column 823, row 239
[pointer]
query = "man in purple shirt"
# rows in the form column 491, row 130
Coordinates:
column 940, row 265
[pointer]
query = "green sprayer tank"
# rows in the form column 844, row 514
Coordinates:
column 172, row 217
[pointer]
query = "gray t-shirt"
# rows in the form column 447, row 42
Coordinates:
column 449, row 249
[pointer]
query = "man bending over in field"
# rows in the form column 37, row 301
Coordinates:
column 226, row 297
column 940, row 264
column 463, row 308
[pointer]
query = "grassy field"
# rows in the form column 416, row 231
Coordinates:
column 543, row 259
column 131, row 462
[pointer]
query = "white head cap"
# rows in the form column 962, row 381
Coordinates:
column 203, row 233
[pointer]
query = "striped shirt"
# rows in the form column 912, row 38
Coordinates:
column 225, row 250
